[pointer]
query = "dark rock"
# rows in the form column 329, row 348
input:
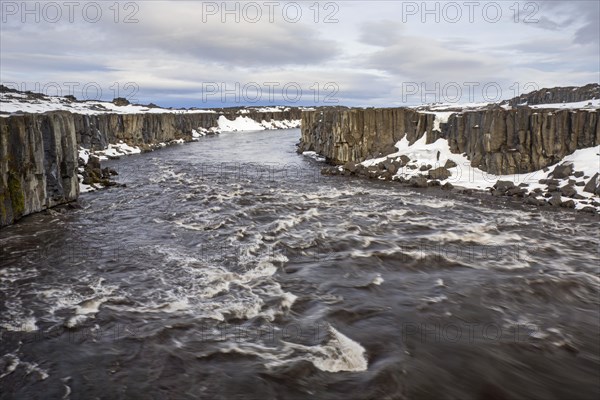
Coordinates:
column 425, row 167
column 503, row 186
column 516, row 191
column 555, row 200
column 588, row 209
column 562, row 171
column 580, row 183
column 440, row 173
column 94, row 162
column 447, row 186
column 593, row 185
column 568, row 191
column 578, row 174
column 405, row 159
column 578, row 197
column 121, row 101
column 418, row 181
column 552, row 188
column 329, row 171
column 350, row 166
column 411, row 166
column 568, row 204
column 449, row 164
column 534, row 201
column 434, row 183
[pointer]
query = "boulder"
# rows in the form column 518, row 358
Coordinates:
column 440, row 173
column 516, row 191
column 535, row 201
column 447, row 186
column 350, row 166
column 562, row 171
column 593, row 185
column 449, row 164
column 405, row 159
column 555, row 200
column 418, row 181
column 568, row 191
column 503, row 186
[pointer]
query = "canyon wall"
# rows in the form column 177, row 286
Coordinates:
column 97, row 131
column 496, row 140
column 38, row 163
column 39, row 152
column 566, row 94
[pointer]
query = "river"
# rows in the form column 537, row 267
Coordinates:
column 229, row 268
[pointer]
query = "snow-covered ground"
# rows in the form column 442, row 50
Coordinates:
column 247, row 124
column 11, row 103
column 464, row 175
column 587, row 104
column 18, row 102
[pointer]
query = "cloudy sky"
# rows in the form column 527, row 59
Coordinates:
column 357, row 53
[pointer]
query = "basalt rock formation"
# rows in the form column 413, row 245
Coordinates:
column 495, row 139
column 38, row 164
column 568, row 94
column 39, row 152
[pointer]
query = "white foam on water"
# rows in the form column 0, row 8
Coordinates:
column 338, row 354
column 378, row 280
column 12, row 362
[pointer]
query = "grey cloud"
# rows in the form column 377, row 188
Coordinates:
column 380, row 33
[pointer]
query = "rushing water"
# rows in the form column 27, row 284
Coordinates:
column 230, row 268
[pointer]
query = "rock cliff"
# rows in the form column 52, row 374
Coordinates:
column 97, row 131
column 495, row 139
column 568, row 94
column 38, row 164
column 39, row 152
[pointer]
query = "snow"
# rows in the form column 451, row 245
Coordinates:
column 452, row 106
column 20, row 102
column 464, row 175
column 586, row 104
column 313, row 155
column 84, row 154
column 17, row 102
column 441, row 117
column 242, row 123
column 239, row 124
column 117, row 150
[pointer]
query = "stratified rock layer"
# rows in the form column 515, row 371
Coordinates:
column 496, row 140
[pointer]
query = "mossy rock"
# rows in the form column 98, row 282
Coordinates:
column 15, row 191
